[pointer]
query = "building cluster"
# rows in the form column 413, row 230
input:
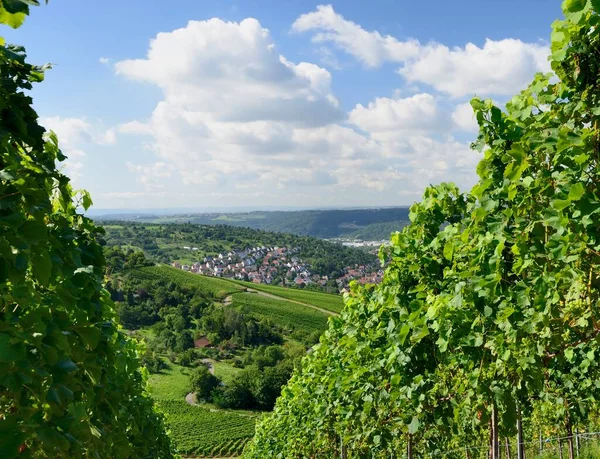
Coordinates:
column 361, row 274
column 273, row 265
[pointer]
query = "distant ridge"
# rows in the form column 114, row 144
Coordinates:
column 374, row 223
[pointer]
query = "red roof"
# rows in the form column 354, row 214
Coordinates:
column 201, row 342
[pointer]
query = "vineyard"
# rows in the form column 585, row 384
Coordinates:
column 216, row 287
column 200, row 432
column 484, row 334
column 333, row 303
column 283, row 313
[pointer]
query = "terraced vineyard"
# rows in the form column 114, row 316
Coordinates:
column 200, row 432
column 215, row 286
column 282, row 312
column 333, row 303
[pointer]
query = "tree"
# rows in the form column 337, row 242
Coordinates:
column 70, row 381
column 203, row 382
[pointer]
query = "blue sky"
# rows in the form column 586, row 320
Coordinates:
column 269, row 104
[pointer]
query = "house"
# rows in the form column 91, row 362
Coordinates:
column 202, row 342
column 185, row 247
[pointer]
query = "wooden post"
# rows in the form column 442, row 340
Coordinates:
column 343, row 451
column 507, row 448
column 409, row 447
column 520, row 443
column 577, row 440
column 570, row 439
column 541, row 443
column 560, row 455
column 467, row 453
column 495, row 444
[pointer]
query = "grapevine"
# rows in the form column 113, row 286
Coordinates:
column 485, row 325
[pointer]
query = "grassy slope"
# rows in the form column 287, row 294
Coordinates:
column 198, row 430
column 333, row 303
column 282, row 312
column 216, row 286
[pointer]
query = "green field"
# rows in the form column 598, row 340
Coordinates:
column 333, row 303
column 225, row 372
column 200, row 430
column 213, row 285
column 282, row 312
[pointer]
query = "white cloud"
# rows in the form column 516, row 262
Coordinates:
column 240, row 121
column 151, row 175
column 135, row 128
column 104, row 60
column 74, row 136
column 498, row 68
column 370, row 48
column 464, row 118
column 417, row 113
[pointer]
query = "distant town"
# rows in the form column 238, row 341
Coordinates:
column 277, row 266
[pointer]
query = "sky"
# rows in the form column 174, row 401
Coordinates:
column 220, row 103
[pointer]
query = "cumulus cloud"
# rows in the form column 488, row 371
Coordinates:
column 417, row 113
column 498, row 68
column 239, row 119
column 370, row 48
column 464, row 118
column 150, row 175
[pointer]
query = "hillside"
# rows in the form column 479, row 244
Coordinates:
column 257, row 335
column 276, row 258
column 369, row 224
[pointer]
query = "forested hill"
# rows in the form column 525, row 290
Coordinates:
column 165, row 243
column 373, row 224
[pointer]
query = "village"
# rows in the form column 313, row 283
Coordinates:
column 277, row 266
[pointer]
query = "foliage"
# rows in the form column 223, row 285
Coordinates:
column 259, row 385
column 487, row 312
column 224, row 323
column 70, row 382
column 377, row 231
column 283, row 313
column 202, row 382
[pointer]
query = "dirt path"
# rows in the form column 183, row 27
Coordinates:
column 190, row 399
column 209, row 364
column 270, row 295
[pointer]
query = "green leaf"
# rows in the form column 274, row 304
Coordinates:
column 41, row 266
column 573, row 6
column 569, row 354
column 596, row 5
column 448, row 250
column 576, row 192
column 66, row 366
column 90, row 335
column 12, row 20
column 560, row 204
column 414, row 425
